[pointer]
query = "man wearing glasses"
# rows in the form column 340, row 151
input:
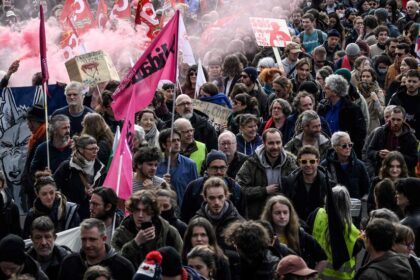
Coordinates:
column 306, row 186
column 217, row 166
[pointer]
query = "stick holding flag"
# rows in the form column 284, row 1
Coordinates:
column 45, row 75
column 136, row 92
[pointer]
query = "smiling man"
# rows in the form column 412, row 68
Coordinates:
column 95, row 251
column 306, row 186
column 260, row 175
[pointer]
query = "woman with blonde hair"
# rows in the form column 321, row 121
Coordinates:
column 281, row 214
column 94, row 125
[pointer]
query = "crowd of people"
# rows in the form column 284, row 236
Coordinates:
column 320, row 146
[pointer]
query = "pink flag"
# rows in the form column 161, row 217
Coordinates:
column 43, row 46
column 122, row 161
column 158, row 62
column 135, row 92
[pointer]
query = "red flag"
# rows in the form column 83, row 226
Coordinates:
column 146, row 16
column 121, row 10
column 102, row 14
column 43, row 46
column 78, row 12
column 69, row 43
column 158, row 62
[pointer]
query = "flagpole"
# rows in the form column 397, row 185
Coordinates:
column 45, row 89
column 117, row 192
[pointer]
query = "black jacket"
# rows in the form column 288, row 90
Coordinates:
column 377, row 141
column 193, row 199
column 412, row 220
column 351, row 120
column 355, row 178
column 58, row 255
column 305, row 202
column 9, row 216
column 74, row 266
column 31, row 267
column 230, row 216
column 263, row 269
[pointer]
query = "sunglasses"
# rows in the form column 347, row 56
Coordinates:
column 306, row 161
column 193, row 74
column 345, row 146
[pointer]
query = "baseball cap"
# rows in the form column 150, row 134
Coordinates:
column 295, row 265
column 293, row 47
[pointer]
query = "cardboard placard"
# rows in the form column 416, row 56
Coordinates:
column 270, row 32
column 92, row 68
column 218, row 115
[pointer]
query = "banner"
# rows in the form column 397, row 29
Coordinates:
column 158, row 62
column 218, row 115
column 101, row 14
column 184, row 46
column 121, row 10
column 79, row 15
column 146, row 17
column 270, row 32
column 14, row 131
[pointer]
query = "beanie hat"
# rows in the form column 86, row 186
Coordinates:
column 333, row 33
column 309, row 86
column 36, row 113
column 345, row 73
column 150, row 268
column 171, row 262
column 352, row 49
column 12, row 249
column 215, row 154
column 251, row 72
column 381, row 14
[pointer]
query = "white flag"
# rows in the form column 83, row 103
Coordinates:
column 201, row 79
column 184, row 44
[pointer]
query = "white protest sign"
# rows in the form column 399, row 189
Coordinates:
column 270, row 32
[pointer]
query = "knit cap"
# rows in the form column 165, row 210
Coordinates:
column 251, row 72
column 352, row 49
column 171, row 262
column 12, row 249
column 150, row 269
column 214, row 155
column 345, row 73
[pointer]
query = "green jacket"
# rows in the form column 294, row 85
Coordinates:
column 252, row 177
column 123, row 239
column 296, row 143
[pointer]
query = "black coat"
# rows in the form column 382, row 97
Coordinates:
column 351, row 120
column 58, row 255
column 263, row 269
column 74, row 266
column 31, row 267
column 412, row 220
column 305, row 202
column 70, row 184
column 9, row 216
column 355, row 178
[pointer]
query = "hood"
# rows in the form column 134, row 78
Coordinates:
column 219, row 99
column 405, row 129
column 395, row 266
column 260, row 151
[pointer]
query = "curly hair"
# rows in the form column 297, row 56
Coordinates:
column 250, row 238
column 267, row 75
column 231, row 66
column 337, row 84
column 291, row 231
column 147, row 198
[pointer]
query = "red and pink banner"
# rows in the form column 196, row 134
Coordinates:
column 102, row 14
column 121, row 10
column 43, row 46
column 136, row 92
column 146, row 16
column 79, row 15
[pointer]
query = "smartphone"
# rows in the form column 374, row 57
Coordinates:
column 146, row 225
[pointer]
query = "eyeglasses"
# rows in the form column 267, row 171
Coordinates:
column 215, row 168
column 92, row 149
column 227, row 144
column 345, row 146
column 306, row 161
column 187, row 131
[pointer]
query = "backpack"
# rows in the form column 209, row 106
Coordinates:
column 318, row 32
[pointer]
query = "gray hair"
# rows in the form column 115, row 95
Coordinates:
column 285, row 105
column 180, row 121
column 53, row 124
column 342, row 202
column 309, row 116
column 266, row 62
column 337, row 136
column 389, row 108
column 337, row 84
column 226, row 133
column 74, row 85
column 92, row 223
column 384, row 213
column 139, row 132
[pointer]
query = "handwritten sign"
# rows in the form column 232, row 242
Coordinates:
column 92, row 68
column 270, row 32
column 218, row 115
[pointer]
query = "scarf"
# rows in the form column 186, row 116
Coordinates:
column 150, row 136
column 57, row 213
column 218, row 216
column 38, row 134
column 268, row 124
column 346, row 63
